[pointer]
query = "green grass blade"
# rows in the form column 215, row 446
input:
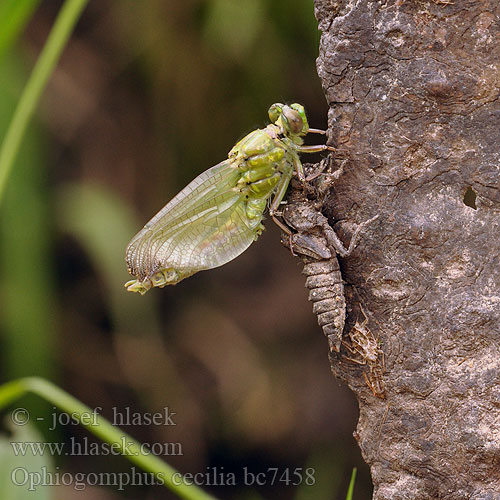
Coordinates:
column 28, row 306
column 350, row 490
column 104, row 430
column 63, row 26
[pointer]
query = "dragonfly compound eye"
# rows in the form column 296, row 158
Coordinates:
column 275, row 111
column 293, row 120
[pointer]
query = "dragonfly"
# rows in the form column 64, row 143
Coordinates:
column 219, row 214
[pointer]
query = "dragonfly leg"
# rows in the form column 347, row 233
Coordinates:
column 332, row 176
column 335, row 242
column 278, row 198
column 281, row 188
column 284, row 228
column 315, row 149
column 298, row 167
column 290, row 242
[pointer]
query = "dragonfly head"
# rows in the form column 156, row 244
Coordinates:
column 292, row 119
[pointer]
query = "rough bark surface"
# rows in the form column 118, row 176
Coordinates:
column 413, row 89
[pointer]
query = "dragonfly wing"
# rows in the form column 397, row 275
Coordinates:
column 204, row 226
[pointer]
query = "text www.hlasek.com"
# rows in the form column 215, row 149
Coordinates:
column 89, row 448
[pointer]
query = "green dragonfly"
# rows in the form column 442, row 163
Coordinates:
column 219, row 214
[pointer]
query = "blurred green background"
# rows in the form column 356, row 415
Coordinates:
column 147, row 95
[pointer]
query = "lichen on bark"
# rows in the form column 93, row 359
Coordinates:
column 413, row 92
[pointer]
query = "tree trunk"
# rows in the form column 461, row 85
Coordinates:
column 413, row 90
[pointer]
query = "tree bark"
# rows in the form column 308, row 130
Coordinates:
column 413, row 88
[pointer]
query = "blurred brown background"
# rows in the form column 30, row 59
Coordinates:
column 147, row 95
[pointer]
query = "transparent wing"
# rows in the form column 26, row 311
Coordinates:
column 202, row 227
